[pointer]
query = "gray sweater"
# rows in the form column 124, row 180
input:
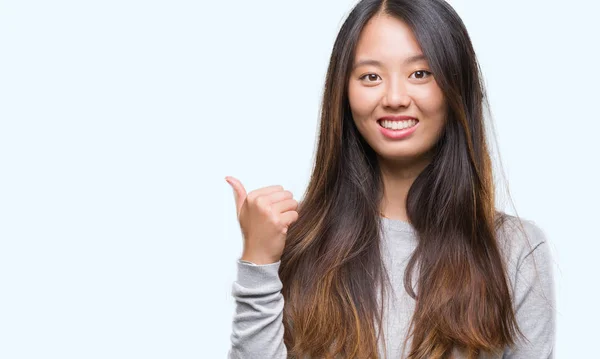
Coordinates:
column 257, row 321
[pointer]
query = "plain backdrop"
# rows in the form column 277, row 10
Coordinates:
column 119, row 121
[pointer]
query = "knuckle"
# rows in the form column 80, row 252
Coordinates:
column 260, row 202
column 275, row 220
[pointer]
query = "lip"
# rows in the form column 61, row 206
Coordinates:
column 398, row 134
column 397, row 118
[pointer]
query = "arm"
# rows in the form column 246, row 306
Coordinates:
column 257, row 322
column 535, row 303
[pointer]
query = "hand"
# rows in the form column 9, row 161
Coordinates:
column 264, row 216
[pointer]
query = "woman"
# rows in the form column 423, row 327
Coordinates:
column 396, row 249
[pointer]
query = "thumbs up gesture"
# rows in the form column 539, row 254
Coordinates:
column 264, row 215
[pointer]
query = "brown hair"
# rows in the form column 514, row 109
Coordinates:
column 331, row 266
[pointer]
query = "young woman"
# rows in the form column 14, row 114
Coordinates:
column 397, row 249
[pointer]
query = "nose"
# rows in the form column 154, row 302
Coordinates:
column 396, row 95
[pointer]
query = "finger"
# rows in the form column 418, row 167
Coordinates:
column 267, row 190
column 279, row 196
column 289, row 217
column 284, row 206
column 239, row 192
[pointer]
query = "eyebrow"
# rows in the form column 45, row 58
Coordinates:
column 409, row 60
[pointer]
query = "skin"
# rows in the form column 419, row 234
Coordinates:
column 391, row 88
column 395, row 88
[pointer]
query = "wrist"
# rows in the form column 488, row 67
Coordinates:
column 259, row 260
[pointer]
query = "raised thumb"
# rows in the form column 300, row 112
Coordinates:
column 239, row 192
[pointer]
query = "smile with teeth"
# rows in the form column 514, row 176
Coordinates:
column 397, row 125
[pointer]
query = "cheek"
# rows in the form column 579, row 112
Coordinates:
column 431, row 102
column 362, row 101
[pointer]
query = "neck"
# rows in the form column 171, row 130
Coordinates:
column 398, row 176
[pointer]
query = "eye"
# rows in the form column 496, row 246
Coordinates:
column 422, row 72
column 371, row 77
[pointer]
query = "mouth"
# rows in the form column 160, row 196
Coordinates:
column 398, row 130
column 397, row 125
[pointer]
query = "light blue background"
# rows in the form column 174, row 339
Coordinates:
column 120, row 119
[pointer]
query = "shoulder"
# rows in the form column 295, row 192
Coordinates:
column 519, row 238
column 525, row 247
column 527, row 252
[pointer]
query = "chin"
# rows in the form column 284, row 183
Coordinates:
column 398, row 153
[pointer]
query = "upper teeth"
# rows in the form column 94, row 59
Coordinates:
column 398, row 125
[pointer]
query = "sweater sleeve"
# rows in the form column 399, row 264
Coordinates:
column 534, row 300
column 257, row 321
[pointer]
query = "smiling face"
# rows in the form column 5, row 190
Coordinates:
column 387, row 81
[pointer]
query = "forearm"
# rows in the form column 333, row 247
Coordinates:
column 257, row 322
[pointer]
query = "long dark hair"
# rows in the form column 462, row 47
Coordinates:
column 331, row 266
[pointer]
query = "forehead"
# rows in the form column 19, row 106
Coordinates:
column 387, row 39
